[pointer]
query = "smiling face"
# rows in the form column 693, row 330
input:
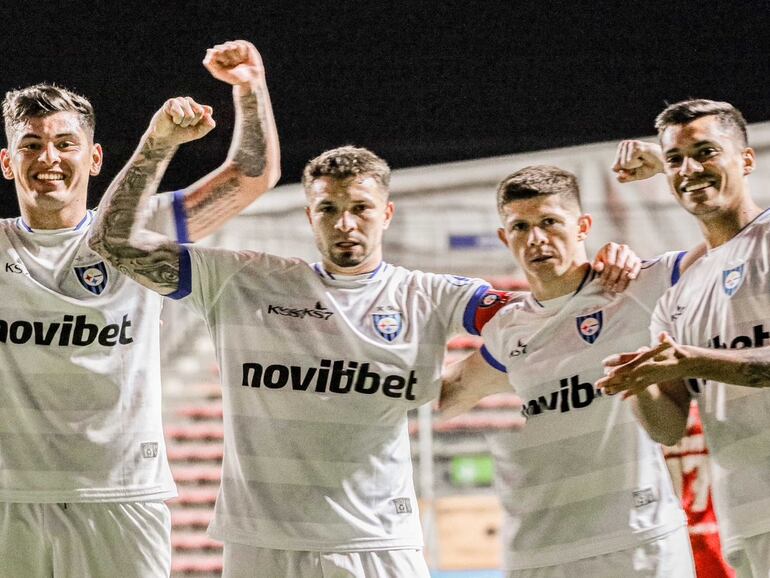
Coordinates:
column 349, row 217
column 706, row 165
column 50, row 159
column 545, row 234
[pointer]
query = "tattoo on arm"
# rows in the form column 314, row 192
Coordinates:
column 149, row 258
column 250, row 155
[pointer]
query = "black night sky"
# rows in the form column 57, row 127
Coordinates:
column 417, row 82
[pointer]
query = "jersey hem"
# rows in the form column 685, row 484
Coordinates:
column 520, row 561
column 360, row 545
column 155, row 495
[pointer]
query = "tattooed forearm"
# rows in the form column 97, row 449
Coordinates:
column 249, row 144
column 749, row 367
column 118, row 234
column 215, row 206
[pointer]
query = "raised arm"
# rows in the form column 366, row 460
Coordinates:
column 252, row 165
column 118, row 233
column 466, row 381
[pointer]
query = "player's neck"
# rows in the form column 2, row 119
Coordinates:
column 722, row 226
column 363, row 268
column 568, row 283
column 65, row 218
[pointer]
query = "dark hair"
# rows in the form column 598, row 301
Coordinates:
column 44, row 99
column 537, row 180
column 344, row 162
column 688, row 110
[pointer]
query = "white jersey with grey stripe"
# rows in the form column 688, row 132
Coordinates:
column 318, row 373
column 80, row 402
column 722, row 302
column 582, row 478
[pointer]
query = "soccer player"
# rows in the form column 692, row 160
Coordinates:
column 83, row 469
column 585, row 490
column 319, row 365
column 709, row 333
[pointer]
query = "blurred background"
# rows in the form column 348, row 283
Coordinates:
column 455, row 96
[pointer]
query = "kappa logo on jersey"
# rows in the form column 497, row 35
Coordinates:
column 320, row 312
column 590, row 326
column 387, row 325
column 330, row 376
column 93, row 277
column 458, row 280
column 732, row 279
column 520, row 349
column 572, row 394
column 678, row 313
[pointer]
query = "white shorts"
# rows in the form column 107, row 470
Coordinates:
column 74, row 540
column 753, row 561
column 667, row 557
column 242, row 561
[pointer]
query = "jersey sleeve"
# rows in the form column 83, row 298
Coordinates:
column 492, row 350
column 168, row 216
column 204, row 273
column 657, row 276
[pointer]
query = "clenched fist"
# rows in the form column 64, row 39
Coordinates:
column 180, row 120
column 235, row 62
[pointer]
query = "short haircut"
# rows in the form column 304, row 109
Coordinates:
column 344, row 162
column 687, row 111
column 536, row 180
column 44, row 99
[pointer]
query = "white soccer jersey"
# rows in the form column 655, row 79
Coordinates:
column 318, row 374
column 582, row 478
column 80, row 402
column 724, row 301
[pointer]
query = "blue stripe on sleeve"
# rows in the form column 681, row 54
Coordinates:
column 185, row 275
column 676, row 272
column 469, row 317
column 180, row 218
column 491, row 360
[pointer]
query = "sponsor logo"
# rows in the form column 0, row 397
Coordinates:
column 14, row 267
column 757, row 339
column 644, row 497
column 69, row 331
column 338, row 376
column 149, row 450
column 732, row 279
column 319, row 312
column 572, row 394
column 520, row 349
column 590, row 326
column 93, row 277
column 403, row 505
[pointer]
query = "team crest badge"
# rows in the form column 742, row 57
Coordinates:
column 458, row 280
column 590, row 326
column 732, row 279
column 93, row 277
column 388, row 325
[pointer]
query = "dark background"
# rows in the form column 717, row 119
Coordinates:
column 417, row 82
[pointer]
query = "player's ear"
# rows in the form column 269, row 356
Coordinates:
column 749, row 160
column 501, row 235
column 96, row 159
column 390, row 209
column 585, row 222
column 5, row 162
column 307, row 214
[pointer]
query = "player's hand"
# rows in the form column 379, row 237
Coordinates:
column 636, row 160
column 617, row 265
column 180, row 120
column 234, row 62
column 632, row 373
